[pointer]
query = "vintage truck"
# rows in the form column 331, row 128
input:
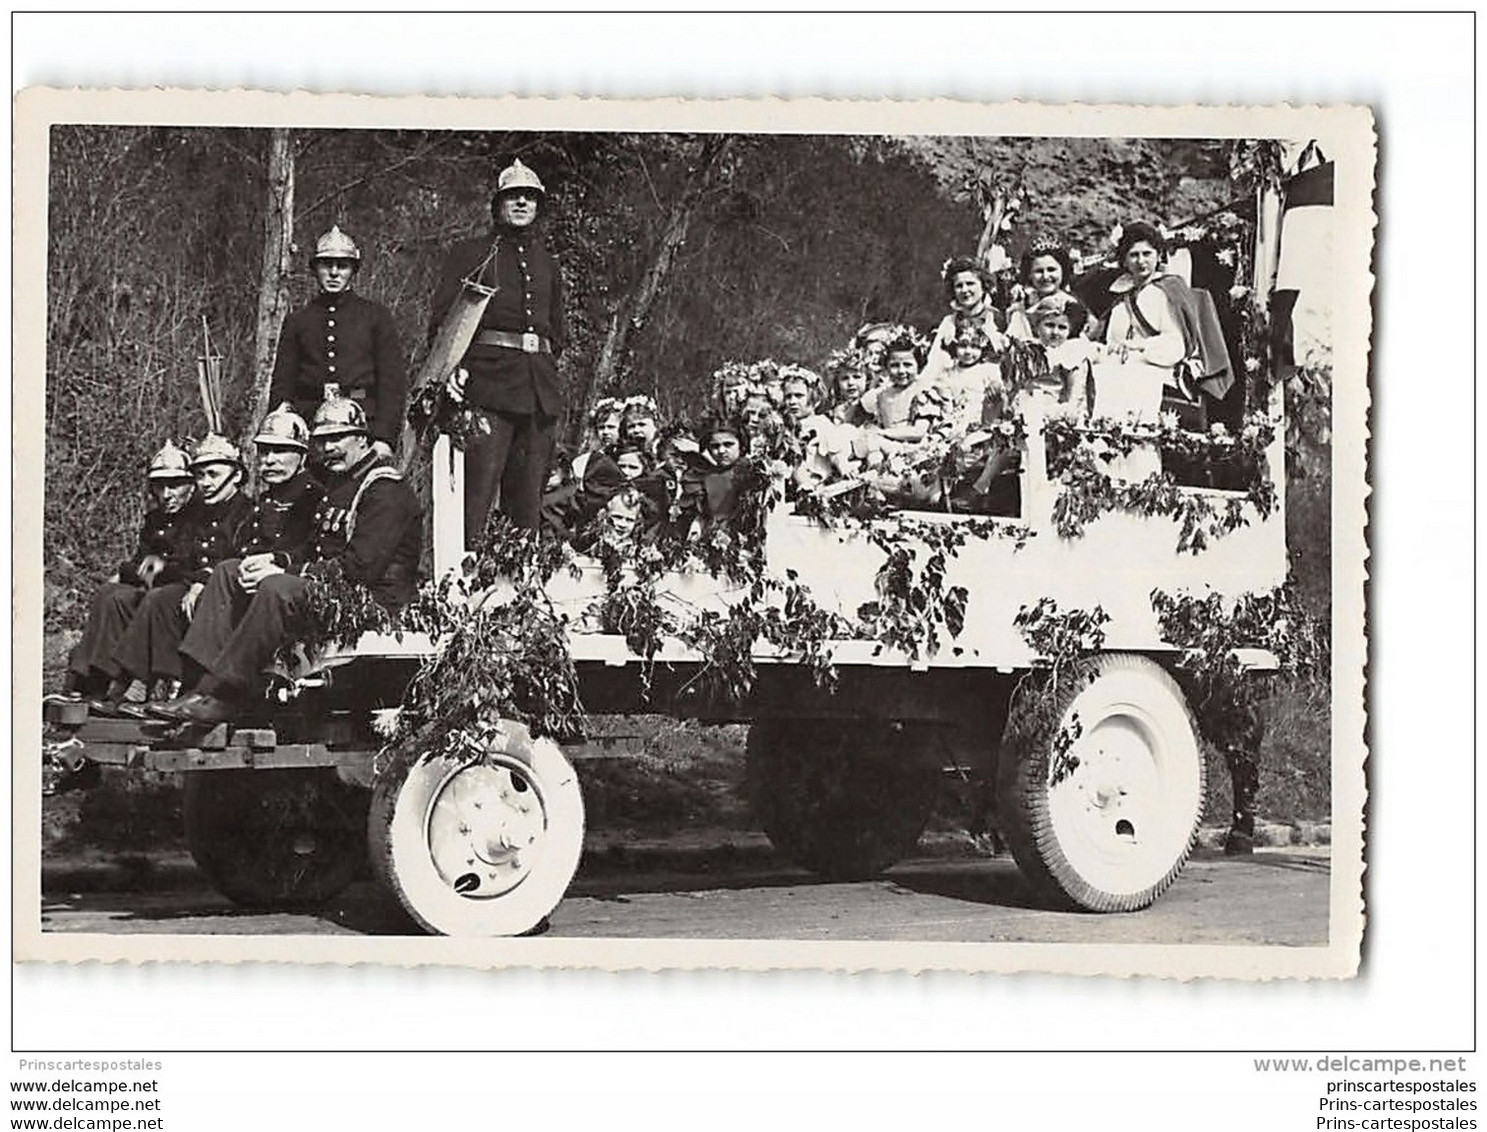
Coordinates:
column 1099, row 783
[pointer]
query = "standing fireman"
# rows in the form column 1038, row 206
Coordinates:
column 345, row 340
column 508, row 378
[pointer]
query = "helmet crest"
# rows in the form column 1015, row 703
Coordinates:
column 335, row 244
column 170, row 463
column 284, row 428
column 216, row 449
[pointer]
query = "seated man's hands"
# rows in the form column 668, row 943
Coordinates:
column 188, row 603
column 149, row 568
column 255, row 568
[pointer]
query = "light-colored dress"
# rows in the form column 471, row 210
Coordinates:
column 941, row 358
column 967, row 388
column 1133, row 389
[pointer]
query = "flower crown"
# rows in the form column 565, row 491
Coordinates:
column 640, row 405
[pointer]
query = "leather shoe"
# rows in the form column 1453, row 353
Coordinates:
column 198, row 707
column 166, row 709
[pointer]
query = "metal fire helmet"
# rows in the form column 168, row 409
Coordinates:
column 215, row 449
column 338, row 416
column 284, row 428
column 518, row 176
column 335, row 244
column 170, row 463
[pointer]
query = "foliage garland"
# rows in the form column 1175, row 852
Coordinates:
column 1060, row 638
column 1208, row 630
column 1079, row 455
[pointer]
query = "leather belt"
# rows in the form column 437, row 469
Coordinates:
column 526, row 343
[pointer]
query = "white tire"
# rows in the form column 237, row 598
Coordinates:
column 1102, row 783
column 480, row 848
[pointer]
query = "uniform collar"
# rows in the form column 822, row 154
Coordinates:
column 325, row 299
column 292, row 489
column 506, row 232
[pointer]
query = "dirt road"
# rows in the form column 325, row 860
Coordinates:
column 1275, row 897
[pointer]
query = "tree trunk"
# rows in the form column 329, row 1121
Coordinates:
column 273, row 287
column 632, row 312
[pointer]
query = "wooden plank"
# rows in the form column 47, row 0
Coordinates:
column 290, row 756
column 255, row 738
column 100, row 730
column 65, row 713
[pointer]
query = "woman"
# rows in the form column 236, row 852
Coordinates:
column 1144, row 337
column 1046, row 271
column 967, row 288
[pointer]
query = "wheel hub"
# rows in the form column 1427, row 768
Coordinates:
column 1110, row 811
column 485, row 829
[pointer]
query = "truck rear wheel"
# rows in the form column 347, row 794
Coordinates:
column 275, row 838
column 843, row 799
column 1101, row 782
column 484, row 846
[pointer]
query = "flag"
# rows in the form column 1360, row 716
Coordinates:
column 1301, row 301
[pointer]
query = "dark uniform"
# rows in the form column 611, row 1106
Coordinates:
column 346, row 340
column 377, row 539
column 151, row 645
column 162, row 536
column 514, row 389
column 282, row 523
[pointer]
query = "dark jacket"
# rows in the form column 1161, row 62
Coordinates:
column 161, row 535
column 282, row 522
column 210, row 535
column 378, row 537
column 528, row 299
column 353, row 342
column 1198, row 317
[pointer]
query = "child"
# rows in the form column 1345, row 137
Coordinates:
column 725, row 446
column 973, row 386
column 1065, row 388
column 731, row 385
column 638, row 423
column 847, row 370
column 893, row 401
column 639, row 471
column 604, row 432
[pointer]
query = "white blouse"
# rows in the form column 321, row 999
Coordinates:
column 1167, row 347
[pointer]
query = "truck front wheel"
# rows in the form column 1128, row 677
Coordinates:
column 845, row 799
column 1101, row 782
column 479, row 846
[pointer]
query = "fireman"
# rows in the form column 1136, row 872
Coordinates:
column 508, row 379
column 345, row 340
column 161, row 537
column 369, row 524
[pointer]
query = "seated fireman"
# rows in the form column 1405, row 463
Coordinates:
column 369, row 524
column 277, row 535
column 148, row 654
column 91, row 666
